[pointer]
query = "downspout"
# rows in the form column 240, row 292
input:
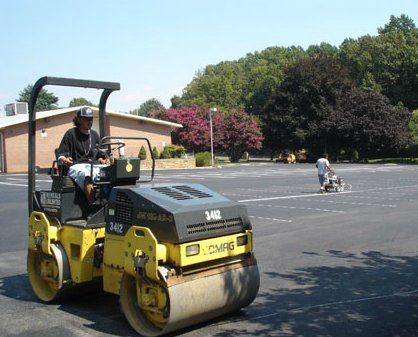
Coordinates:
column 2, row 151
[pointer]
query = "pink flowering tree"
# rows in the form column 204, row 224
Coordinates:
column 233, row 132
column 236, row 132
column 194, row 135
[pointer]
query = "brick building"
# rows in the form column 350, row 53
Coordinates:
column 51, row 126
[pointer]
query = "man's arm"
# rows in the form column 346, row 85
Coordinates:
column 328, row 166
column 64, row 150
column 101, row 157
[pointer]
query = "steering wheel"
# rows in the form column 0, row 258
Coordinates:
column 109, row 147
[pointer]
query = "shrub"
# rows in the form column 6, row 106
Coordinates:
column 155, row 153
column 203, row 159
column 142, row 153
column 355, row 156
column 176, row 151
column 165, row 154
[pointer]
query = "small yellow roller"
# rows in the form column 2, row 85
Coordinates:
column 176, row 254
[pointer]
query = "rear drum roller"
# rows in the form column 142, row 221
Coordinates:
column 47, row 273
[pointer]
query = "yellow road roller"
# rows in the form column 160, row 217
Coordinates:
column 176, row 254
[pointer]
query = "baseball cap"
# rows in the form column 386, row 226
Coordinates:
column 85, row 112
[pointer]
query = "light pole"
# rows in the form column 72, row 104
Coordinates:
column 211, row 132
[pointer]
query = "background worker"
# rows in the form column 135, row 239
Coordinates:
column 323, row 166
column 76, row 152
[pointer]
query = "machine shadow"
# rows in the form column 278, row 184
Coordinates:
column 101, row 309
column 17, row 287
column 371, row 294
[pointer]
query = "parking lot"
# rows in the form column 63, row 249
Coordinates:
column 336, row 264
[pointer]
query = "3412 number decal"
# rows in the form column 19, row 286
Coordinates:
column 214, row 214
column 116, row 227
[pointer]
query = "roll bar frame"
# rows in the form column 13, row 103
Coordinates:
column 108, row 88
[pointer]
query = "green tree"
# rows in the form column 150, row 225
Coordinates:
column 243, row 84
column 413, row 127
column 80, row 101
column 401, row 23
column 264, row 72
column 369, row 123
column 322, row 49
column 146, row 108
column 387, row 63
column 46, row 100
column 176, row 102
column 217, row 85
column 301, row 113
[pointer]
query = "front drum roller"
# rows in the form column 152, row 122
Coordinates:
column 48, row 273
column 186, row 303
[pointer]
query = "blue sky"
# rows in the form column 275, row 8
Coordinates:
column 154, row 48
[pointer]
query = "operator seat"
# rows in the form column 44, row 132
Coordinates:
column 73, row 206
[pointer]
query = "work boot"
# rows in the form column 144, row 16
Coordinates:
column 89, row 192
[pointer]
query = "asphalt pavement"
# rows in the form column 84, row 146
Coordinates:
column 336, row 264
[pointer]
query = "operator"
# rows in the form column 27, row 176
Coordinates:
column 323, row 166
column 76, row 152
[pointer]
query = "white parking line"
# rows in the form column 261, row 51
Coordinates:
column 37, row 180
column 327, row 194
column 374, row 198
column 274, row 219
column 23, row 185
column 13, row 184
column 180, row 176
column 241, row 195
column 302, row 208
column 15, row 174
column 354, row 203
column 324, row 305
column 290, row 197
column 396, row 194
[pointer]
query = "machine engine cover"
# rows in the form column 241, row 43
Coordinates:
column 175, row 213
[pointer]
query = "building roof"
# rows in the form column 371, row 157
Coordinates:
column 23, row 118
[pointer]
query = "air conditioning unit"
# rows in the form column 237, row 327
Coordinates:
column 17, row 108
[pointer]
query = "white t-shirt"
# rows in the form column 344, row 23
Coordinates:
column 322, row 165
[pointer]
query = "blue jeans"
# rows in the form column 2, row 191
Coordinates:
column 79, row 172
column 321, row 179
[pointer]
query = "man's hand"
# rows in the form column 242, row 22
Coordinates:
column 67, row 161
column 104, row 161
